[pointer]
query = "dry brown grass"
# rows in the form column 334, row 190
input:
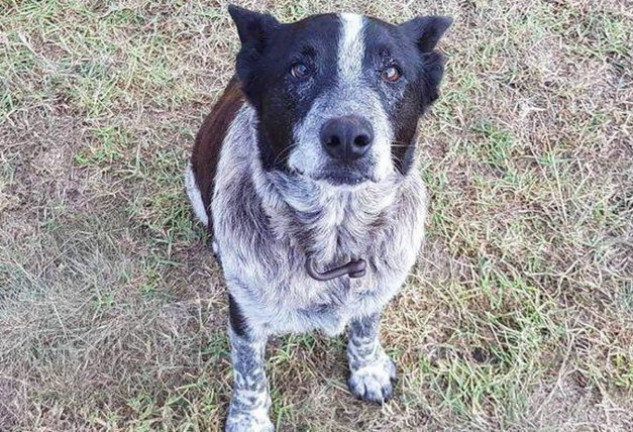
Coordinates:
column 518, row 318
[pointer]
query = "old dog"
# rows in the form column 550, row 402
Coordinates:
column 304, row 173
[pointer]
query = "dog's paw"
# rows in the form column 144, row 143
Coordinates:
column 248, row 421
column 374, row 381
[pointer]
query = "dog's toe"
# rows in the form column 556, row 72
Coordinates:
column 374, row 381
column 248, row 421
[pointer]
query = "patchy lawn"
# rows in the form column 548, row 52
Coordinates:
column 519, row 316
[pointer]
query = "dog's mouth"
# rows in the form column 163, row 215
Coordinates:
column 344, row 178
column 336, row 177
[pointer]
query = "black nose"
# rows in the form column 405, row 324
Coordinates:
column 347, row 138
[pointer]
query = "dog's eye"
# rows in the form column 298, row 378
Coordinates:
column 391, row 74
column 300, row 71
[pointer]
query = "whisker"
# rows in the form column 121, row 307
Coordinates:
column 283, row 153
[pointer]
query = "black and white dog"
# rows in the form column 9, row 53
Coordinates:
column 304, row 174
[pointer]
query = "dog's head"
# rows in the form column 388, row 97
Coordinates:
column 338, row 97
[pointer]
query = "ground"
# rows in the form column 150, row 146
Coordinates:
column 519, row 316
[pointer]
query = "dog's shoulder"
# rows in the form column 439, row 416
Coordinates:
column 210, row 138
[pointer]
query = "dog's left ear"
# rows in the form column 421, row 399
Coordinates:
column 427, row 30
column 426, row 33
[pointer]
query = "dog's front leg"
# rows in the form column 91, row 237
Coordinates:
column 251, row 401
column 372, row 372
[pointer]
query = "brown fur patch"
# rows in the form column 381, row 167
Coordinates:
column 206, row 151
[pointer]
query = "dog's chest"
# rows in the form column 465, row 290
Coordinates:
column 343, row 232
column 266, row 261
column 267, row 229
column 329, row 305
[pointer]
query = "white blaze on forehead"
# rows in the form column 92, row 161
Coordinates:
column 351, row 47
column 351, row 96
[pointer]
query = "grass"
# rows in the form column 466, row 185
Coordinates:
column 519, row 316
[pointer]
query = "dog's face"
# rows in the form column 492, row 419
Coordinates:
column 338, row 97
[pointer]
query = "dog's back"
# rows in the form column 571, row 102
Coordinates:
column 200, row 177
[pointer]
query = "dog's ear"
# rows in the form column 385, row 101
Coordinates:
column 254, row 28
column 427, row 30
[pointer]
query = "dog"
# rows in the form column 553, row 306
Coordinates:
column 304, row 173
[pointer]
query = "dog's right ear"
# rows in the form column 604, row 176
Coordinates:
column 254, row 28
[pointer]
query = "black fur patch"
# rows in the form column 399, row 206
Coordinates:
column 408, row 46
column 268, row 53
column 237, row 318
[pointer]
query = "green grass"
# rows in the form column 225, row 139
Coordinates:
column 519, row 316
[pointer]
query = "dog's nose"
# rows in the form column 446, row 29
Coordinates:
column 347, row 138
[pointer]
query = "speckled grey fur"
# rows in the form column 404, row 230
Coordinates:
column 267, row 223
